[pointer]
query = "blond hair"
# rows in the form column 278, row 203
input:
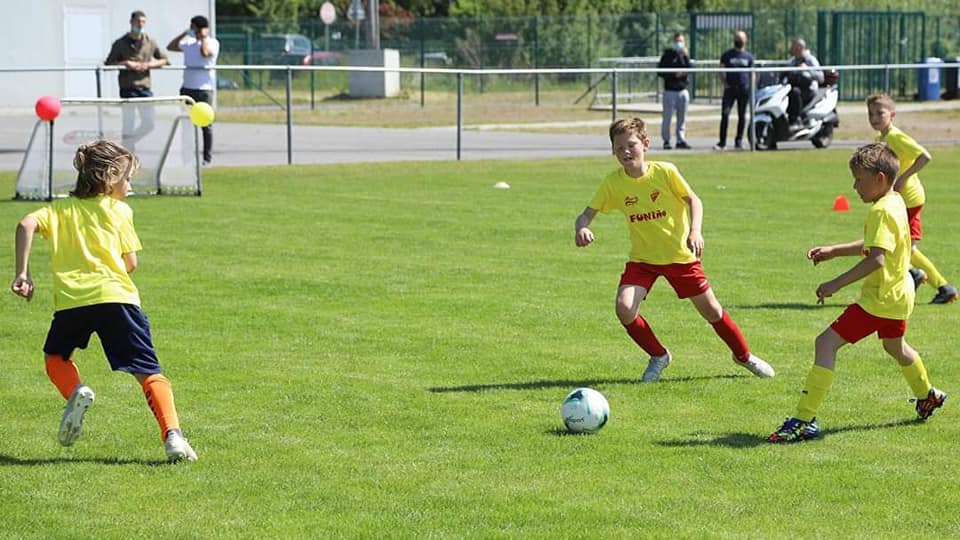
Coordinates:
column 629, row 125
column 875, row 158
column 100, row 166
column 883, row 101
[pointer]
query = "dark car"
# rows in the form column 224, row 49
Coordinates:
column 283, row 49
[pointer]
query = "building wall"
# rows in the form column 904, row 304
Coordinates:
column 78, row 34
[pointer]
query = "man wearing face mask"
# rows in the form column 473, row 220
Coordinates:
column 200, row 52
column 676, row 98
column 139, row 53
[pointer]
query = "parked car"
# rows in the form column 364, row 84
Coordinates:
column 283, row 49
column 322, row 58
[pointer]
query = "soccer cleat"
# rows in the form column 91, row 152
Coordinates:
column 945, row 295
column 795, row 430
column 656, row 365
column 919, row 277
column 80, row 400
column 178, row 448
column 757, row 366
column 926, row 406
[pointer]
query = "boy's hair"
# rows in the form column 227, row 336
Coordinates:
column 632, row 125
column 200, row 22
column 100, row 165
column 882, row 100
column 876, row 158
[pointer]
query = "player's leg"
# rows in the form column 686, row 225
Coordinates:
column 128, row 344
column 928, row 399
column 69, row 331
column 946, row 293
column 635, row 282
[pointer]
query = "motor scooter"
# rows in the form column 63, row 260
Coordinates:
column 817, row 119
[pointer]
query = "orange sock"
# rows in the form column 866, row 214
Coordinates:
column 63, row 374
column 160, row 400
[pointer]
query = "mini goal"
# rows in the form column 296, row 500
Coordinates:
column 158, row 130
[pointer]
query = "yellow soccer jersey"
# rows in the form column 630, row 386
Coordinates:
column 656, row 212
column 88, row 238
column 907, row 151
column 888, row 292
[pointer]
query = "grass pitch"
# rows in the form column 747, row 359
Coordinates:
column 381, row 351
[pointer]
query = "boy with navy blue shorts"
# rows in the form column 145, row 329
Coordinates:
column 94, row 250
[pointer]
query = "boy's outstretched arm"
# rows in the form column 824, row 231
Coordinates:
column 825, row 253
column 862, row 269
column 695, row 238
column 583, row 236
column 22, row 283
column 914, row 168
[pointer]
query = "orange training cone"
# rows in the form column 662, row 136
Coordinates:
column 840, row 204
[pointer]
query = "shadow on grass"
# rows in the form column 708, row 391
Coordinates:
column 751, row 440
column 11, row 461
column 799, row 306
column 569, row 383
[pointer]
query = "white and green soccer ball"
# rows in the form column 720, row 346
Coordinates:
column 585, row 411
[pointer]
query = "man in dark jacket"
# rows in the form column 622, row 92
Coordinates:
column 676, row 98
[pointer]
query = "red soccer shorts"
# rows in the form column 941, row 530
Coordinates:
column 855, row 324
column 913, row 217
column 687, row 279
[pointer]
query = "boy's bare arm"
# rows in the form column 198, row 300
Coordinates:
column 22, row 283
column 914, row 168
column 825, row 253
column 862, row 269
column 583, row 236
column 130, row 261
column 695, row 238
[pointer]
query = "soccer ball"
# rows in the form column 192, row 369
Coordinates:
column 585, row 411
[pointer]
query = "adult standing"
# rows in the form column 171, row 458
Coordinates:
column 804, row 83
column 200, row 52
column 736, row 89
column 139, row 53
column 676, row 98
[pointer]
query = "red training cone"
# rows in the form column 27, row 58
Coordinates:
column 840, row 204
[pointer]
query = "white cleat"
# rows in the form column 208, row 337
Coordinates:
column 655, row 366
column 80, row 400
column 177, row 447
column 757, row 366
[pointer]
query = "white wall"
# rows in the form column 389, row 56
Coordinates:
column 78, row 33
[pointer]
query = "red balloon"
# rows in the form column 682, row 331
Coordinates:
column 47, row 108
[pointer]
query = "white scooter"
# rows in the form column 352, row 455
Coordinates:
column 817, row 119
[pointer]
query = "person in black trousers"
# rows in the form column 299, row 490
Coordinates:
column 736, row 88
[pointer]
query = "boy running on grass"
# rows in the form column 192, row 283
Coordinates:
column 93, row 247
column 881, row 111
column 886, row 297
column 664, row 217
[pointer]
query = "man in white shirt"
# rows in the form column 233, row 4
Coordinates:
column 200, row 52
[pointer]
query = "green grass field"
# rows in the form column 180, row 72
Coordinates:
column 381, row 351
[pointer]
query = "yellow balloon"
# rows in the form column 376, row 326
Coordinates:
column 201, row 114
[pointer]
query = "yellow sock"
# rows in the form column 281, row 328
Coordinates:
column 819, row 381
column 916, row 376
column 935, row 278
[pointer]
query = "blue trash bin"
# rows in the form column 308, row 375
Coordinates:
column 928, row 80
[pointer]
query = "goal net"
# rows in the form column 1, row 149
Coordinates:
column 158, row 130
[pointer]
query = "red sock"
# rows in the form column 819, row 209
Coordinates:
column 643, row 336
column 160, row 400
column 63, row 374
column 729, row 332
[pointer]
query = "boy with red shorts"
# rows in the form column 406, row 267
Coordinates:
column 664, row 217
column 886, row 298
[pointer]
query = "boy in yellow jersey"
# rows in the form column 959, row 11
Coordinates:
column 664, row 217
column 881, row 110
column 886, row 297
column 93, row 247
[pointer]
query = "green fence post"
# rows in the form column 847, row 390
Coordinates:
column 536, row 62
column 422, row 56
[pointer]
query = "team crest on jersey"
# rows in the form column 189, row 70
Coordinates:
column 654, row 196
column 631, row 200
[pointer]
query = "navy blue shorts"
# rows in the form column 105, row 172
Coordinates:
column 123, row 329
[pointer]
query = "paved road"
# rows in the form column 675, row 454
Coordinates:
column 261, row 144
